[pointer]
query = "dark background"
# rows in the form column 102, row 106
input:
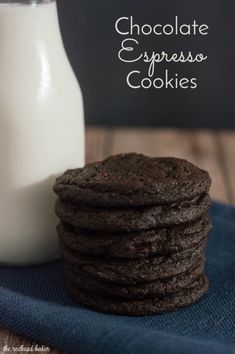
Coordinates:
column 92, row 45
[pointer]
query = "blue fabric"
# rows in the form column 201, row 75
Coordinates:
column 34, row 303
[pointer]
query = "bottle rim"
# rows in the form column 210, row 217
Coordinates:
column 26, row 2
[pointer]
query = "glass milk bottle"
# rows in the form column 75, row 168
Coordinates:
column 41, row 128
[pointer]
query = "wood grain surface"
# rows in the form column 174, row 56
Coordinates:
column 214, row 151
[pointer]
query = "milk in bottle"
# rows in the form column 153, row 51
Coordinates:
column 41, row 128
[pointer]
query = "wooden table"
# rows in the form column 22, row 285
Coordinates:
column 214, row 151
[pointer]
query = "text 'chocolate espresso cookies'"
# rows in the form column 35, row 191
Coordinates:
column 133, row 232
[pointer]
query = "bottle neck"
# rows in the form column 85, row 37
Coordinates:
column 32, row 26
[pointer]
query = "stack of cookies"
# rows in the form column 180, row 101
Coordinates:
column 133, row 231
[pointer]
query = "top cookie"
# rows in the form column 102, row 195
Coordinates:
column 133, row 180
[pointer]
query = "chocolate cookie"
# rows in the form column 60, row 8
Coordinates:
column 136, row 271
column 133, row 180
column 135, row 244
column 165, row 286
column 140, row 307
column 131, row 219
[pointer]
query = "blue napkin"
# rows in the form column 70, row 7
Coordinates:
column 34, row 303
